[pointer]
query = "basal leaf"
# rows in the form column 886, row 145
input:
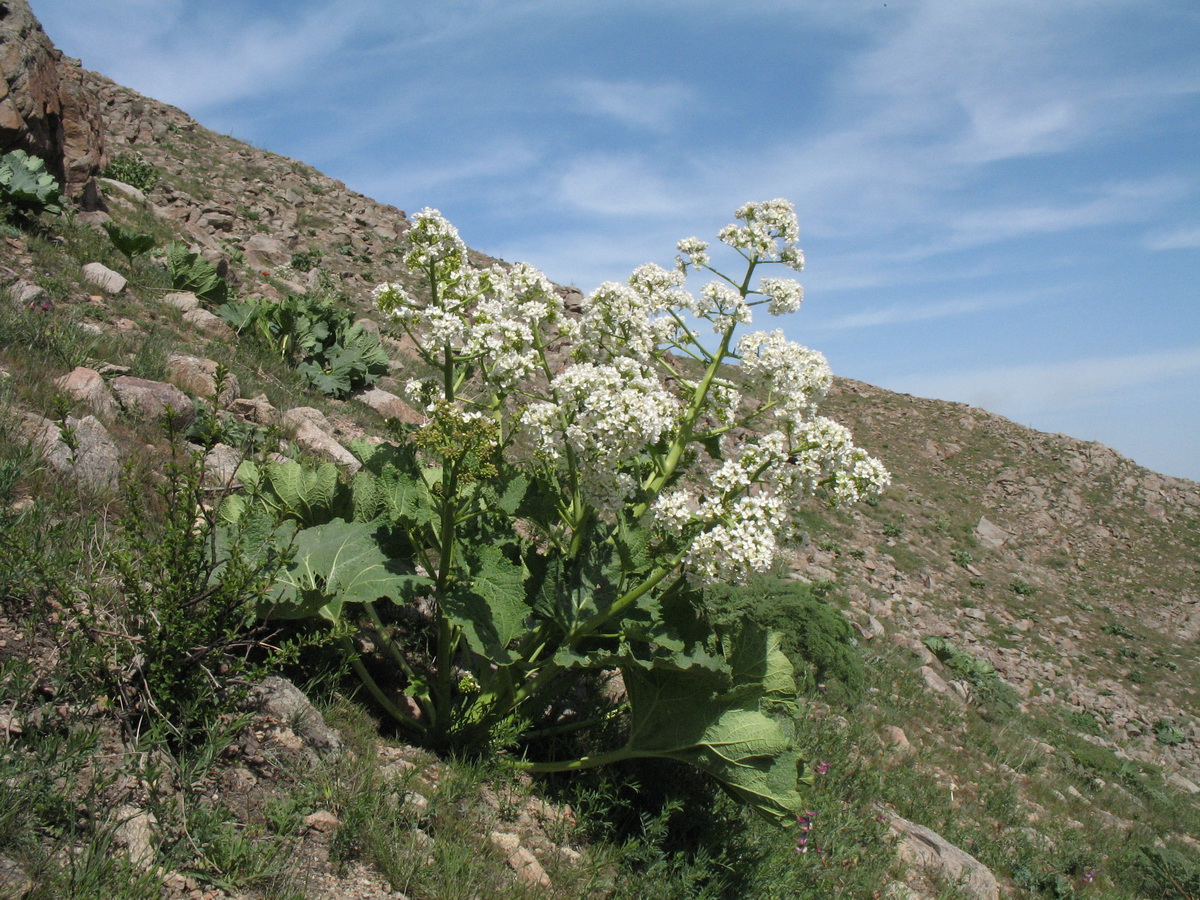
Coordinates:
column 490, row 609
column 725, row 729
column 335, row 564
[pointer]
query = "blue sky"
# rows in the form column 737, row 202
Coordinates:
column 999, row 199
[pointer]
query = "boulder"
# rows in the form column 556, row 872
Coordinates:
column 523, row 863
column 93, row 460
column 264, row 253
column 991, row 535
column 199, row 376
column 182, row 300
column 281, row 699
column 45, row 108
column 312, row 433
column 89, row 387
column 221, row 464
column 135, row 832
column 125, row 190
column 256, row 409
column 209, row 323
column 390, row 406
column 152, row 399
column 922, row 848
column 30, row 296
column 104, row 278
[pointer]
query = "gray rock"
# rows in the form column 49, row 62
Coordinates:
column 94, row 462
column 104, row 278
column 280, row 698
column 390, row 406
column 134, row 830
column 182, row 300
column 523, row 863
column 209, row 323
column 14, row 880
column 152, row 399
column 263, row 252
column 88, row 386
column 120, row 187
column 991, row 535
column 257, row 410
column 1184, row 784
column 199, row 376
column 311, row 432
column 923, row 848
column 221, row 464
column 30, row 296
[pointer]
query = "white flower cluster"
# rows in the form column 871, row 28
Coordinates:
column 606, row 415
column 624, row 320
column 499, row 316
column 786, row 295
column 824, row 456
column 765, row 226
column 755, row 495
column 433, row 241
column 722, row 305
column 508, row 323
column 693, row 252
column 739, row 537
column 798, row 377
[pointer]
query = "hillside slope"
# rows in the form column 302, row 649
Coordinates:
column 1068, row 568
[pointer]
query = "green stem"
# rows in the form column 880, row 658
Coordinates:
column 584, row 762
column 401, row 716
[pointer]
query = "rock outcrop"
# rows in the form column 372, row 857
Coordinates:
column 47, row 106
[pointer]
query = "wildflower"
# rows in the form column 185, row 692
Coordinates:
column 786, row 295
column 1089, row 876
column 695, row 251
column 822, row 768
column 804, row 823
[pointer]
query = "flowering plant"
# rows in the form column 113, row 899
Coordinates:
column 581, row 477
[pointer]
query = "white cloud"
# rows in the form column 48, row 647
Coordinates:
column 621, row 184
column 899, row 313
column 1050, row 387
column 1186, row 237
column 652, row 107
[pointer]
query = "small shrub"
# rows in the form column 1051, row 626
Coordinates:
column 962, row 558
column 306, row 260
column 132, row 170
column 1022, row 588
column 816, row 636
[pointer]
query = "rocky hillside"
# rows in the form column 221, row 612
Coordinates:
column 1063, row 568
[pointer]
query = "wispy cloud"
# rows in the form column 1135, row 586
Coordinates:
column 1046, row 387
column 652, row 107
column 1186, row 237
column 898, row 313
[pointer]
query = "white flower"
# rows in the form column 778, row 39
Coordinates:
column 799, row 377
column 607, row 415
column 786, row 295
column 741, row 543
column 622, row 319
column 724, row 306
column 694, row 253
column 764, row 226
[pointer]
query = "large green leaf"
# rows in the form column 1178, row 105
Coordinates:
column 725, row 728
column 404, row 498
column 335, row 564
column 490, row 609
